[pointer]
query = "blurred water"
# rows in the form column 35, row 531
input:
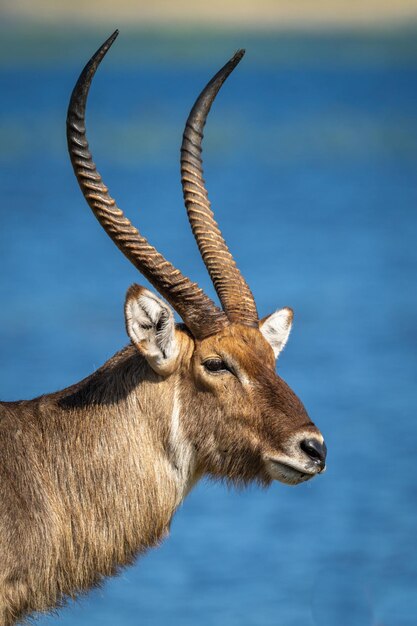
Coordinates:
column 310, row 159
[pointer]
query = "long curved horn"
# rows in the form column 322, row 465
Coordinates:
column 232, row 289
column 196, row 309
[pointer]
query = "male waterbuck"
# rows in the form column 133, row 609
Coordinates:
column 91, row 476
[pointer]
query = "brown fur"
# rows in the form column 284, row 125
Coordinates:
column 90, row 477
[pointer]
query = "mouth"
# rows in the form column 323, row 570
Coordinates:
column 290, row 473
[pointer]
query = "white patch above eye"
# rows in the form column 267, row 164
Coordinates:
column 151, row 327
column 276, row 328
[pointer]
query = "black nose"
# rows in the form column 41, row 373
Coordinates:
column 315, row 450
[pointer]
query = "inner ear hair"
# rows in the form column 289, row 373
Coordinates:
column 150, row 325
column 276, row 328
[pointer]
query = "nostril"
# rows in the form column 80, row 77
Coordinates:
column 315, row 450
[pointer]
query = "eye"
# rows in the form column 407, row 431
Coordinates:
column 215, row 366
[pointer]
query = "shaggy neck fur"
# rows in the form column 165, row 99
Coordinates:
column 93, row 475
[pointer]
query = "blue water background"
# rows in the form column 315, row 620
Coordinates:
column 311, row 164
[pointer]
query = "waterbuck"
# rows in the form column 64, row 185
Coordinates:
column 91, row 476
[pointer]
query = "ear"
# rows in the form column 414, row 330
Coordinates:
column 276, row 328
column 151, row 327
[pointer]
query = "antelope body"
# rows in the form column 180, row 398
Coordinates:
column 91, row 476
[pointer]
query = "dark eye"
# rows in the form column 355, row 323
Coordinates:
column 216, row 365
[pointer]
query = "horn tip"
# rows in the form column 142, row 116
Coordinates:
column 238, row 56
column 112, row 37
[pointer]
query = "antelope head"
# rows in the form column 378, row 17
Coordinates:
column 242, row 420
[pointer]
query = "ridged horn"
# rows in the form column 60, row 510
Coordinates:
column 236, row 297
column 197, row 310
